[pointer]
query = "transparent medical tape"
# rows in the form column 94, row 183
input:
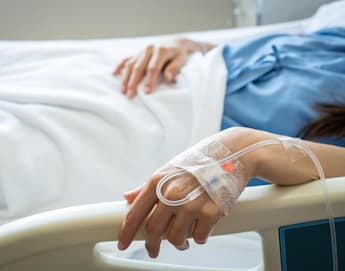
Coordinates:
column 222, row 182
column 221, row 174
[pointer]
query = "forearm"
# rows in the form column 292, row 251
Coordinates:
column 274, row 164
column 202, row 213
column 278, row 168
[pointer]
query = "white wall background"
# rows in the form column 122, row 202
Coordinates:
column 286, row 10
column 75, row 19
column 35, row 19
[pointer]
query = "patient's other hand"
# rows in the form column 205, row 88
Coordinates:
column 167, row 57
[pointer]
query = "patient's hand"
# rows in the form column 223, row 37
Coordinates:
column 167, row 57
column 195, row 219
column 198, row 217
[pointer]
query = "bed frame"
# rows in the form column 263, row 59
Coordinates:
column 65, row 239
column 287, row 218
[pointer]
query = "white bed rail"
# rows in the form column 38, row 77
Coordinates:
column 59, row 238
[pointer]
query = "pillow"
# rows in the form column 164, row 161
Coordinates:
column 328, row 15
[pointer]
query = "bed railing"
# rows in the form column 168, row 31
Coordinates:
column 59, row 238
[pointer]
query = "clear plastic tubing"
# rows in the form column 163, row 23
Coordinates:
column 296, row 142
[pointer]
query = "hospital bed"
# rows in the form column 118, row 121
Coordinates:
column 66, row 239
column 291, row 221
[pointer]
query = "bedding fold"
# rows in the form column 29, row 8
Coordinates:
column 68, row 136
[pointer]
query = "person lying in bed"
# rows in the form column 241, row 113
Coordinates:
column 270, row 79
column 285, row 84
column 291, row 85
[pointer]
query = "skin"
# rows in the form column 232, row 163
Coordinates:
column 167, row 58
column 198, row 218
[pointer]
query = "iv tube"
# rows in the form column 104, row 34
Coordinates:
column 281, row 141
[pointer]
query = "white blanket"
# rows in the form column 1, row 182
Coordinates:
column 67, row 134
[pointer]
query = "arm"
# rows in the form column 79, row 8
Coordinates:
column 198, row 218
column 167, row 58
column 272, row 163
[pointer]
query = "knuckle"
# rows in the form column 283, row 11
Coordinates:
column 162, row 50
column 130, row 63
column 156, row 177
column 173, row 193
column 208, row 214
column 211, row 212
column 152, row 69
column 179, row 189
column 150, row 229
column 153, row 182
column 189, row 208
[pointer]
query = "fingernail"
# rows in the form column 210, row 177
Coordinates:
column 130, row 95
column 184, row 246
column 169, row 76
column 152, row 255
column 123, row 89
column 147, row 89
column 121, row 245
column 201, row 242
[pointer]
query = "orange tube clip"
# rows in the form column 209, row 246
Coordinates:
column 227, row 166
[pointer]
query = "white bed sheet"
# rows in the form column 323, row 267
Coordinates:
column 69, row 137
column 104, row 183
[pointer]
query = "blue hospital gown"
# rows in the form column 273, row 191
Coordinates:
column 274, row 81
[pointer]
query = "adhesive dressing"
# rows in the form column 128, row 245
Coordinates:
column 220, row 175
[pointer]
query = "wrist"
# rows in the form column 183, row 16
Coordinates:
column 238, row 138
column 196, row 46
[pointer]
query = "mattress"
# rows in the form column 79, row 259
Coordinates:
column 48, row 88
column 24, row 65
column 73, row 77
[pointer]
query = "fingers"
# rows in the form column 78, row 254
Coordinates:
column 151, row 63
column 175, row 228
column 155, row 231
column 127, row 74
column 138, row 72
column 119, row 67
column 179, row 230
column 159, row 58
column 202, row 231
column 196, row 218
column 130, row 196
column 206, row 222
column 174, row 67
column 136, row 215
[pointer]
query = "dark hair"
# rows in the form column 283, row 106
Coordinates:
column 330, row 123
